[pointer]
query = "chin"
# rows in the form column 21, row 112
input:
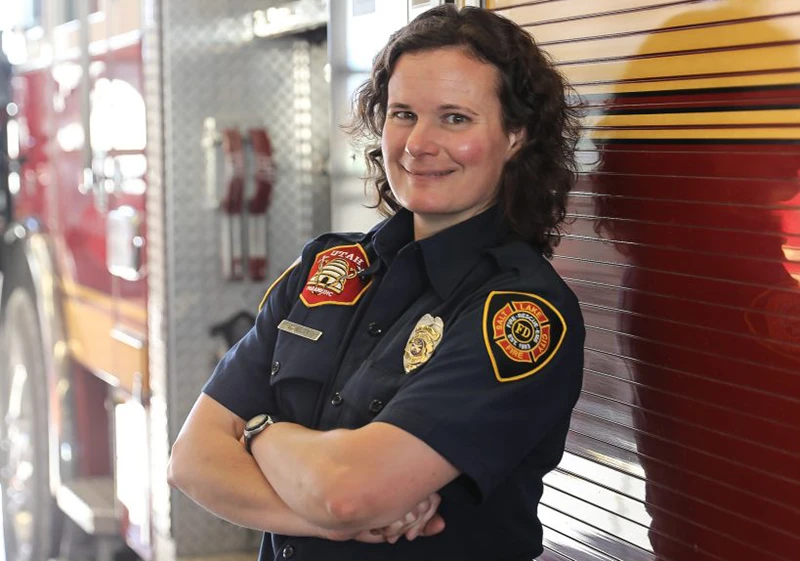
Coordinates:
column 425, row 207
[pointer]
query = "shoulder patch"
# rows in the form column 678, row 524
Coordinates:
column 334, row 279
column 522, row 333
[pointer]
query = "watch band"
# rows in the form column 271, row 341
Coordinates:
column 256, row 426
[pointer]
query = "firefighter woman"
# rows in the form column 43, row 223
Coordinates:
column 404, row 391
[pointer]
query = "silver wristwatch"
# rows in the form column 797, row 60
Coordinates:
column 255, row 426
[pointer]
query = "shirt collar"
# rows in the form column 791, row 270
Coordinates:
column 448, row 255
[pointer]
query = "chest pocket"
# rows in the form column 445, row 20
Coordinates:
column 368, row 391
column 300, row 370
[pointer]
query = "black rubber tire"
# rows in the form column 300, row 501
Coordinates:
column 29, row 510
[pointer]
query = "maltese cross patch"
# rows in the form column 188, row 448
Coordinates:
column 522, row 333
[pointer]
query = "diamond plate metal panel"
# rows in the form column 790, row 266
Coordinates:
column 211, row 68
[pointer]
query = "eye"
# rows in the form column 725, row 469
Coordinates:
column 456, row 119
column 402, row 115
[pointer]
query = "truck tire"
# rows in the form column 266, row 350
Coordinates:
column 28, row 506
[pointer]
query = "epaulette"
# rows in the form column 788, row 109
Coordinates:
column 517, row 255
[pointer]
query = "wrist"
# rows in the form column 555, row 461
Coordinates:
column 255, row 427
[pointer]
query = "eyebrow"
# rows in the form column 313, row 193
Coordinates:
column 445, row 107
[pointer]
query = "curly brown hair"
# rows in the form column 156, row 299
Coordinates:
column 533, row 96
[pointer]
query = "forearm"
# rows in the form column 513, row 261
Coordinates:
column 322, row 478
column 224, row 479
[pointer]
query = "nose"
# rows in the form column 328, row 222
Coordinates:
column 422, row 140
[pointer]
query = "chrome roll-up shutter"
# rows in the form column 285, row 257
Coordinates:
column 685, row 254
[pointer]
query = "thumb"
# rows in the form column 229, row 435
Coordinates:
column 434, row 526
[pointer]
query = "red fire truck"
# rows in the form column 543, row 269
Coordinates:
column 167, row 158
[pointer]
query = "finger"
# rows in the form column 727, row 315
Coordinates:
column 370, row 537
column 435, row 500
column 434, row 526
column 401, row 526
column 395, row 529
column 423, row 506
column 433, row 504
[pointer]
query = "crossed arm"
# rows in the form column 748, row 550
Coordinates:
column 337, row 485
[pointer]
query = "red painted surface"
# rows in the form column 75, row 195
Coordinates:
column 678, row 256
column 51, row 111
column 29, row 92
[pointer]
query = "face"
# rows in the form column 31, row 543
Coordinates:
column 443, row 143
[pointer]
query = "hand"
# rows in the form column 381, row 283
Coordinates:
column 366, row 536
column 422, row 521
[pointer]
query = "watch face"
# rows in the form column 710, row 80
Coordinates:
column 256, row 422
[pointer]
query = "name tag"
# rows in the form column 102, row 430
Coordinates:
column 299, row 330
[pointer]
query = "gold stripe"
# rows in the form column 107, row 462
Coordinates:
column 702, row 65
column 618, row 76
column 698, row 119
column 635, row 22
column 722, row 36
column 773, row 79
column 90, row 343
column 558, row 10
column 715, row 134
column 104, row 301
column 275, row 283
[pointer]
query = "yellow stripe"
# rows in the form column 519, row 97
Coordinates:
column 104, row 301
column 634, row 22
column 774, row 79
column 90, row 343
column 561, row 9
column 751, row 33
column 715, row 134
column 698, row 119
column 596, row 40
column 275, row 283
column 710, row 64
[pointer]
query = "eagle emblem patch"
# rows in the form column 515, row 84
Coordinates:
column 334, row 279
column 522, row 333
column 423, row 341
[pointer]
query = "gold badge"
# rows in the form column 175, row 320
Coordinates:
column 423, row 341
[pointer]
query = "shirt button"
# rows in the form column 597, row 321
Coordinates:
column 276, row 366
column 288, row 551
column 337, row 399
column 374, row 329
column 376, row 406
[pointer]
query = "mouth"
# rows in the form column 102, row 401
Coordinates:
column 429, row 174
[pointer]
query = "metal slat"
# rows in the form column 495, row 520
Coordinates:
column 592, row 515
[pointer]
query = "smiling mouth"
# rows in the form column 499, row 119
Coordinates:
column 429, row 173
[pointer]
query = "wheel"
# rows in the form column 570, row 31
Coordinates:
column 28, row 506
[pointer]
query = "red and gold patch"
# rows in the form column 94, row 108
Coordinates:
column 334, row 279
column 522, row 332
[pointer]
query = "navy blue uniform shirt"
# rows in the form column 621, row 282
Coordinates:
column 490, row 387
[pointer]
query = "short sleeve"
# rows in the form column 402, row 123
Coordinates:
column 503, row 377
column 240, row 381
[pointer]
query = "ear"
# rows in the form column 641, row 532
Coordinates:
column 515, row 141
